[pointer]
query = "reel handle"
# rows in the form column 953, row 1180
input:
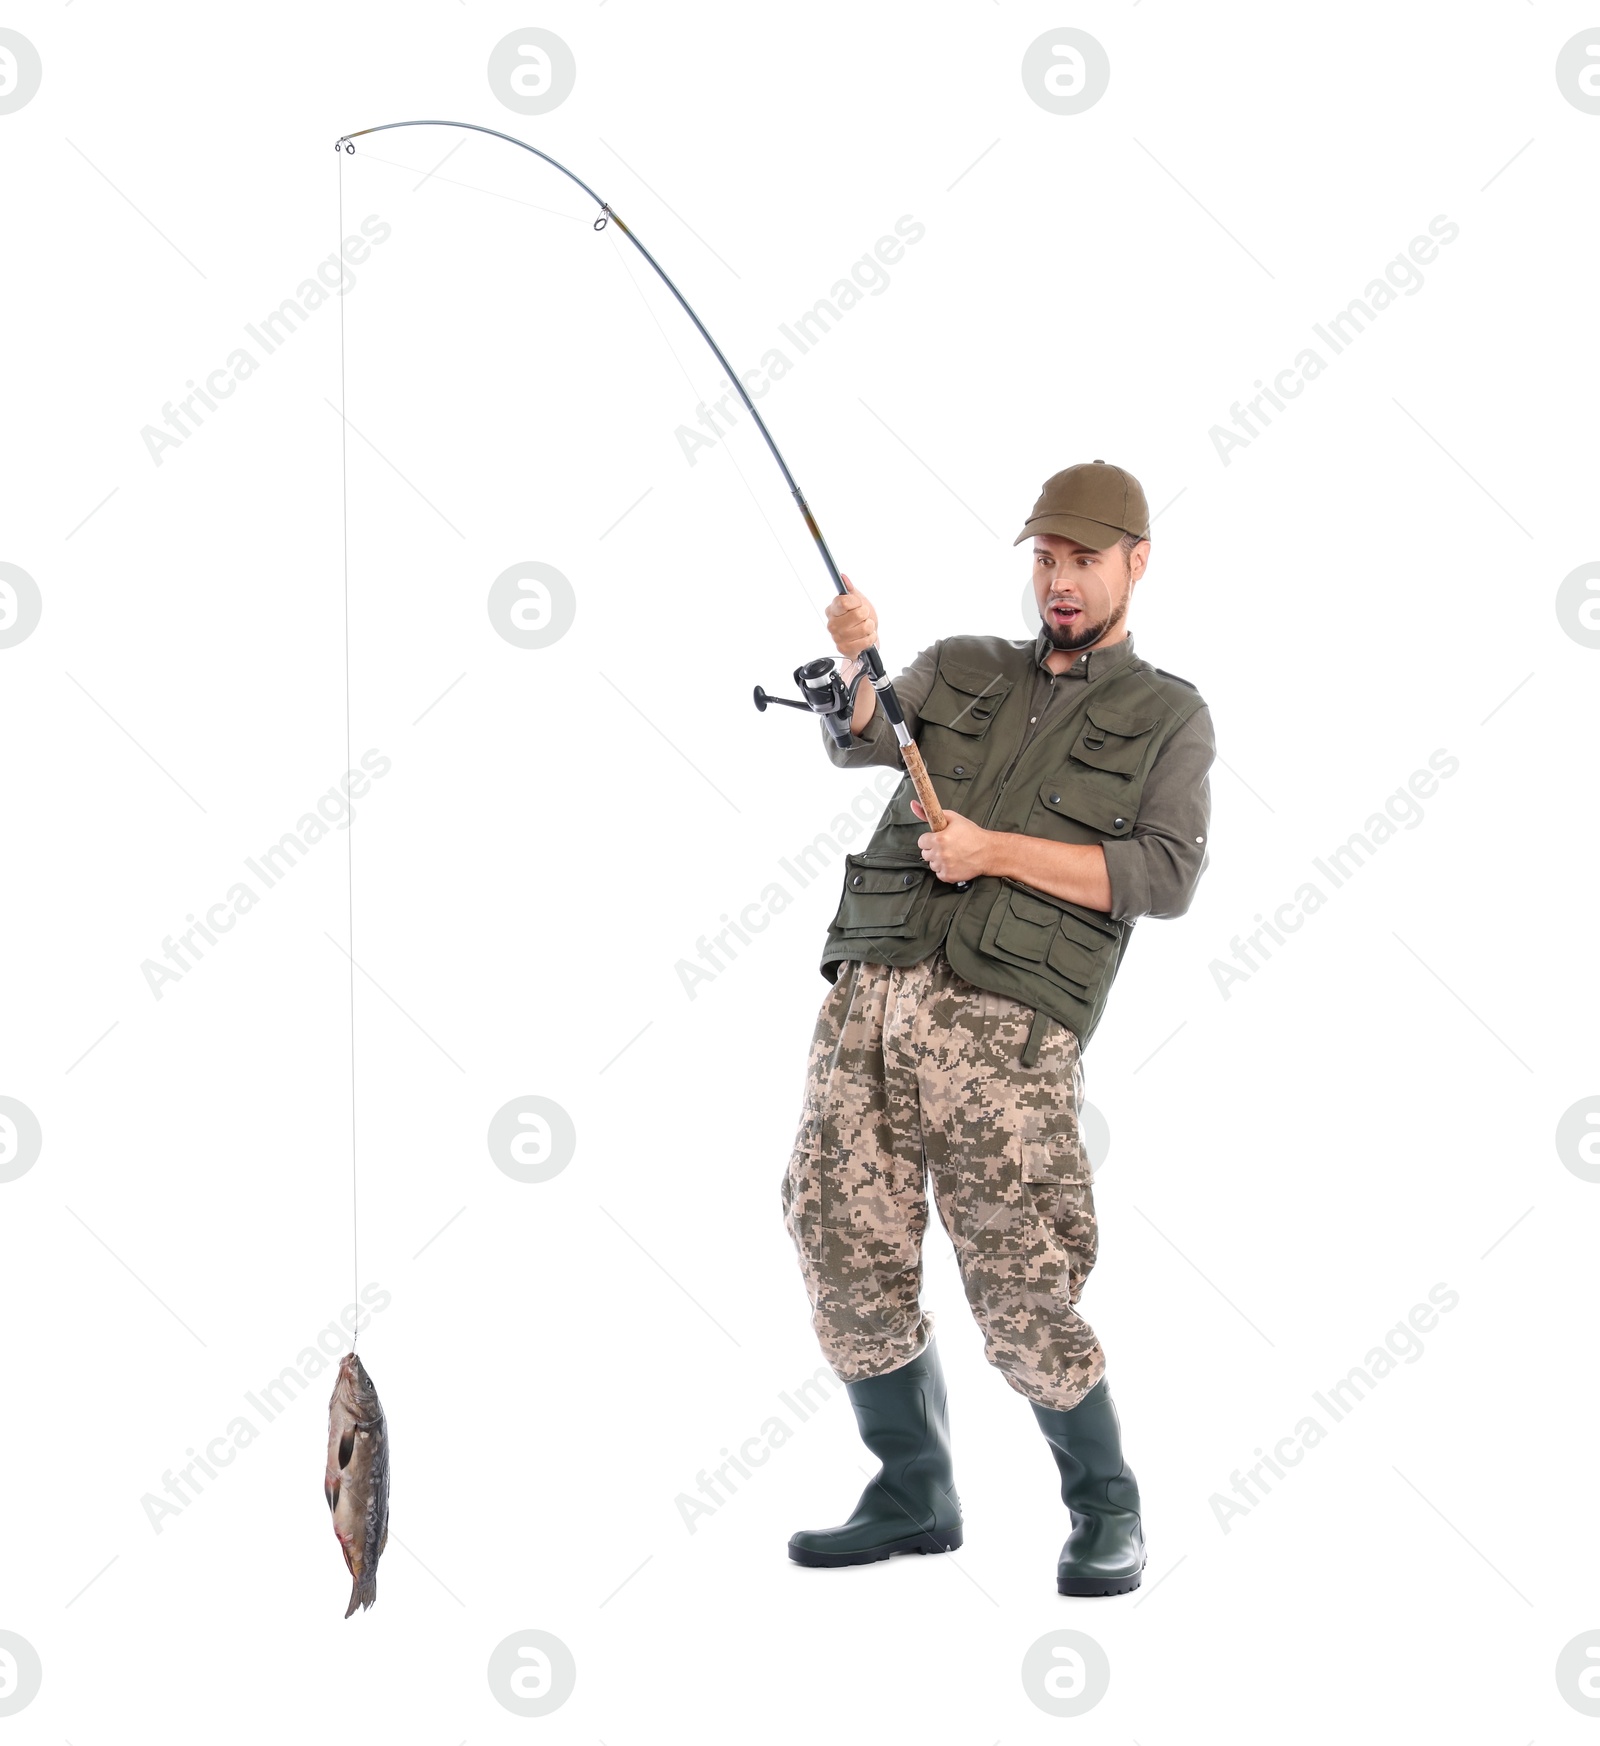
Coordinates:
column 826, row 694
column 763, row 698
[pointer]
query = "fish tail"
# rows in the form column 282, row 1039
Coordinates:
column 363, row 1592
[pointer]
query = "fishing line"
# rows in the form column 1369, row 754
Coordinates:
column 727, row 447
column 350, row 829
column 871, row 660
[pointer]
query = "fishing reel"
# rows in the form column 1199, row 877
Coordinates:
column 825, row 693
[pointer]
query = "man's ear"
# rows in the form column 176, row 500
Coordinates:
column 1137, row 559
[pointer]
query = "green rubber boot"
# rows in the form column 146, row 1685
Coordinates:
column 1104, row 1553
column 911, row 1505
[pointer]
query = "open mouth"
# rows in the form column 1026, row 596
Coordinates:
column 1061, row 613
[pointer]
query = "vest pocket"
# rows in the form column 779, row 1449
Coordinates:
column 1076, row 808
column 1024, row 925
column 953, row 762
column 1044, row 934
column 1079, row 951
column 1113, row 742
column 879, row 897
column 1094, row 797
column 964, row 702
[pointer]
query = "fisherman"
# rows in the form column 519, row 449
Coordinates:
column 970, row 967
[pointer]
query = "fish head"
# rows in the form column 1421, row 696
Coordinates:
column 354, row 1382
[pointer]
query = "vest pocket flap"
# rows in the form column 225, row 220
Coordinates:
column 973, row 680
column 964, row 700
column 961, row 763
column 878, row 900
column 883, row 881
column 1093, row 936
column 1115, row 722
column 1073, row 798
column 1110, row 741
column 1031, row 909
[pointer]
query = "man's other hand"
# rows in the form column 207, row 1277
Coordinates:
column 960, row 851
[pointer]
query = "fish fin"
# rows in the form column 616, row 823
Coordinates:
column 330, row 1490
column 347, row 1445
column 363, row 1592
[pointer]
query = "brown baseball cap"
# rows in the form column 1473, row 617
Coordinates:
column 1093, row 503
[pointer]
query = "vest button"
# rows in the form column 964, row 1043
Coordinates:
column 1119, row 824
column 911, row 879
column 1055, row 800
column 961, row 770
column 962, row 884
column 856, row 881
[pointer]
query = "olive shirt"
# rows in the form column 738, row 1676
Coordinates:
column 1155, row 870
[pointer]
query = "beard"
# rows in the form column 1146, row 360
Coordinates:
column 1084, row 632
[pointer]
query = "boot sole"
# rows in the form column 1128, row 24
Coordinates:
column 1093, row 1585
column 921, row 1543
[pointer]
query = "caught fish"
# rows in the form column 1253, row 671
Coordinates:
column 357, row 1481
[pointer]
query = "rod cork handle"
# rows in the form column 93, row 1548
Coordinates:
column 923, row 783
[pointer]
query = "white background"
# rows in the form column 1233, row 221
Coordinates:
column 1370, row 581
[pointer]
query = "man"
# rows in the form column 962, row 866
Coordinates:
column 969, row 969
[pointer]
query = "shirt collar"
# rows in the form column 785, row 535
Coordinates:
column 1090, row 666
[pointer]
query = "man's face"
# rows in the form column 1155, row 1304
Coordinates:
column 1083, row 594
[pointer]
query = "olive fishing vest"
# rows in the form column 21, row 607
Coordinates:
column 1078, row 781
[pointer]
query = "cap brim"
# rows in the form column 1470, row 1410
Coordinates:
column 1095, row 534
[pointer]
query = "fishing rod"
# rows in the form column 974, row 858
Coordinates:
column 822, row 686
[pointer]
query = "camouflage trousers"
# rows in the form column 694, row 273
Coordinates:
column 915, row 1075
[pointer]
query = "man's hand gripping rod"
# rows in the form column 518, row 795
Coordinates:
column 809, row 677
column 825, row 691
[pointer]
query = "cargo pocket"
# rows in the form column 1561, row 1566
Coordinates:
column 1047, row 934
column 1055, row 1179
column 801, row 1190
column 880, row 898
column 1056, row 1156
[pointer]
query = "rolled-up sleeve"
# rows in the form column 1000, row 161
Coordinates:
column 877, row 744
column 1155, row 871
